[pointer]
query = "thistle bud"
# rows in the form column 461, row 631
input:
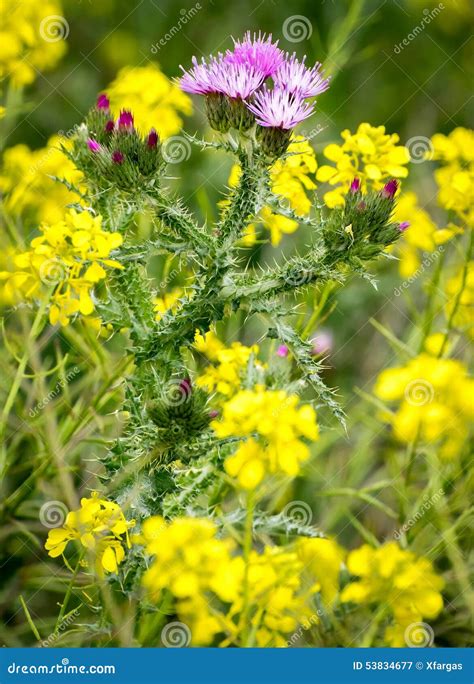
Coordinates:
column 355, row 186
column 218, row 112
column 274, row 141
column 93, row 145
column 103, row 102
column 125, row 120
column 402, row 227
column 152, row 139
column 389, row 189
column 118, row 157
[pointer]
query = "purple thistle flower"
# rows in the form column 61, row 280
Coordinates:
column 296, row 77
column 279, row 108
column 402, row 227
column 103, row 102
column 282, row 351
column 152, row 139
column 198, row 80
column 109, row 126
column 118, row 157
column 355, row 185
column 258, row 52
column 389, row 189
column 236, row 80
column 93, row 145
column 125, row 119
column 322, row 342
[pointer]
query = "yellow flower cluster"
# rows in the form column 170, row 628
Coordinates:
column 455, row 178
column 395, row 578
column 156, row 102
column 65, row 262
column 216, row 591
column 370, row 155
column 460, row 304
column 228, row 366
column 31, row 37
column 27, row 186
column 100, row 527
column 290, row 179
column 423, row 234
column 435, row 402
column 323, row 558
column 168, row 301
column 273, row 424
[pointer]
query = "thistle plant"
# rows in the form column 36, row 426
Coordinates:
column 124, row 173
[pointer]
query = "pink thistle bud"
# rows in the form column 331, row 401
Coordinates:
column 214, row 413
column 389, row 189
column 103, row 102
column 109, row 126
column 118, row 157
column 125, row 119
column 355, row 185
column 282, row 351
column 152, row 140
column 185, row 387
column 403, row 226
column 322, row 343
column 93, row 145
column 361, row 206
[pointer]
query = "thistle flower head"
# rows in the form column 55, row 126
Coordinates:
column 125, row 119
column 403, row 226
column 355, row 185
column 199, row 80
column 236, row 80
column 389, row 189
column 103, row 102
column 93, row 145
column 109, row 126
column 293, row 75
column 258, row 52
column 279, row 108
column 152, row 139
column 118, row 157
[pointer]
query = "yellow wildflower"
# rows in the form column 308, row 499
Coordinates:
column 405, row 583
column 32, row 37
column 100, row 527
column 25, row 181
column 229, row 366
column 156, row 102
column 65, row 261
column 290, row 178
column 323, row 558
column 435, row 404
column 274, row 424
column 455, row 177
column 423, row 234
column 370, row 155
column 462, row 309
column 167, row 301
